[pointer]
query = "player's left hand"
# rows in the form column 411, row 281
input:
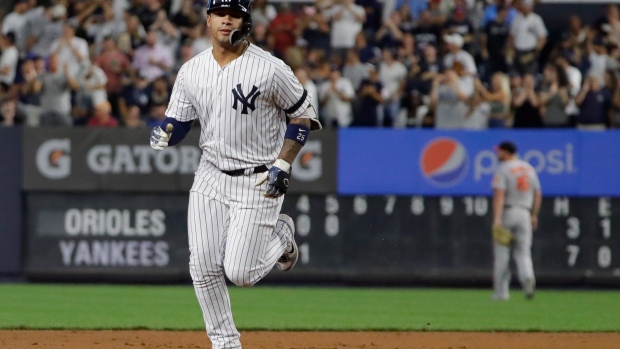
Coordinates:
column 277, row 179
column 159, row 138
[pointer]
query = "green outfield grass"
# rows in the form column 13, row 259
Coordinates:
column 287, row 308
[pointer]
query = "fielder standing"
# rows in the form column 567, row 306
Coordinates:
column 516, row 202
column 255, row 117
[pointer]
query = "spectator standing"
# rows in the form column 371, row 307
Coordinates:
column 152, row 58
column 71, row 50
column 460, row 61
column 115, row 65
column 346, row 19
column 493, row 43
column 263, row 12
column 373, row 15
column 135, row 94
column 449, row 100
column 594, row 102
column 8, row 61
column 458, row 23
column 498, row 98
column 371, row 99
column 104, row 26
column 390, row 35
column 335, row 95
column 92, row 85
column 392, row 75
column 186, row 18
column 576, row 36
column 28, row 88
column 553, row 97
column 598, row 57
column 573, row 75
column 426, row 32
column 492, row 11
column 430, row 66
column 167, row 34
column 528, row 36
column 148, row 13
column 55, row 87
column 367, row 53
column 313, row 29
column 283, row 29
column 134, row 37
column 45, row 30
column 354, row 69
column 302, row 75
column 526, row 105
column 15, row 22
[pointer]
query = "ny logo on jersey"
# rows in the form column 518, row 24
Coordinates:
column 247, row 101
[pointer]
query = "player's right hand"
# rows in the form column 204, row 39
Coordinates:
column 159, row 138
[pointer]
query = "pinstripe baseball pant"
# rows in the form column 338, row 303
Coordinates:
column 233, row 230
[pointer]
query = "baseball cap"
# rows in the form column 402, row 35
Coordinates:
column 527, row 2
column 58, row 11
column 507, row 146
column 455, row 39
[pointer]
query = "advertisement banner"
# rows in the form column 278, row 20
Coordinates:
column 428, row 162
column 11, row 200
column 121, row 160
column 107, row 236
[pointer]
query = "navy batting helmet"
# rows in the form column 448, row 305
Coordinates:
column 243, row 6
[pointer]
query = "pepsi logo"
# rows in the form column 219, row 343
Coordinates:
column 444, row 162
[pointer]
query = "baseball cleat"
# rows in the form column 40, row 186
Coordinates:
column 497, row 297
column 289, row 258
column 529, row 288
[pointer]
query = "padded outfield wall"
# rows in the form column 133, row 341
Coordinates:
column 371, row 206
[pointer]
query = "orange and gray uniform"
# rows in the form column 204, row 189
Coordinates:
column 519, row 181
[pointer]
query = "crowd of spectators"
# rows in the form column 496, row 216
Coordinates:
column 447, row 64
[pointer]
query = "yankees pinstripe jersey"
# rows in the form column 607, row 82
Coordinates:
column 242, row 107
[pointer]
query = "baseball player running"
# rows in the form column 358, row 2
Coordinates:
column 516, row 202
column 254, row 117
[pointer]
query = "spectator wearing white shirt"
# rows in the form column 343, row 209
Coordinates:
column 15, row 22
column 528, row 36
column 262, row 12
column 574, row 84
column 450, row 101
column 335, row 95
column 392, row 75
column 106, row 25
column 71, row 50
column 8, row 61
column 346, row 19
column 45, row 30
column 302, row 74
column 460, row 61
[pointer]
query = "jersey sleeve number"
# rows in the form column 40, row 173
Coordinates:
column 523, row 183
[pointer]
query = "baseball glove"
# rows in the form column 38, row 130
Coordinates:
column 502, row 235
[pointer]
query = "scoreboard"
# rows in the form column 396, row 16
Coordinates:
column 356, row 239
column 448, row 238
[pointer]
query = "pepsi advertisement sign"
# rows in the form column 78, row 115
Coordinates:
column 429, row 162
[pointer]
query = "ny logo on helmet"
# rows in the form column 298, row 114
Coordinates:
column 247, row 101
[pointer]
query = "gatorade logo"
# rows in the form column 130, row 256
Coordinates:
column 444, row 162
column 53, row 160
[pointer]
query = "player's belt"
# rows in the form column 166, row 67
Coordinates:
column 241, row 172
column 518, row 206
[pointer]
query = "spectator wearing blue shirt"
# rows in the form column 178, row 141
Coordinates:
column 594, row 103
column 491, row 12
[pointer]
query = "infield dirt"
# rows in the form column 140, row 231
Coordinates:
column 21, row 339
